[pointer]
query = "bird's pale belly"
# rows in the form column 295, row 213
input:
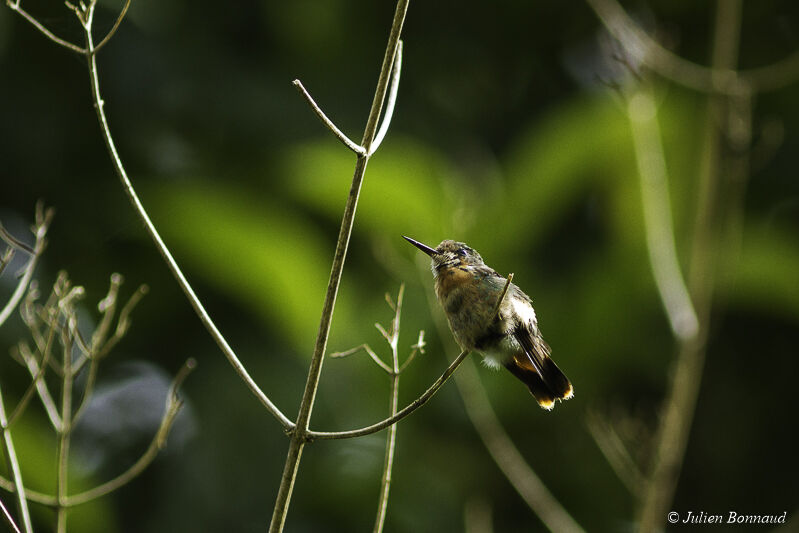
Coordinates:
column 470, row 312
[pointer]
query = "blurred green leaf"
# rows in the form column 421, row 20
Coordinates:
column 267, row 257
column 765, row 273
column 552, row 163
column 35, row 444
column 408, row 189
column 581, row 146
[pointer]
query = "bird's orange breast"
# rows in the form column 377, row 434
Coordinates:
column 452, row 278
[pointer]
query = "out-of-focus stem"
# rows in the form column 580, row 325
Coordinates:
column 675, row 426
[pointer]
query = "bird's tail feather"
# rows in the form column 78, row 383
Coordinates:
column 550, row 385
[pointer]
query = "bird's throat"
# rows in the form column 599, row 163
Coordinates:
column 450, row 278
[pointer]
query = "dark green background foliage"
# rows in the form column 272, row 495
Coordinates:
column 502, row 137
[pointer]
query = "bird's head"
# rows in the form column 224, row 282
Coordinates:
column 449, row 254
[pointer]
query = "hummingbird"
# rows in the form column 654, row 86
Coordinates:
column 469, row 290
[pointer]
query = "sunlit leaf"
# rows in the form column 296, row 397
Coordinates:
column 264, row 255
column 585, row 146
column 35, row 447
column 765, row 274
column 408, row 188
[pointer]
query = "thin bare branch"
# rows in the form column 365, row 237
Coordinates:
column 113, row 30
column 502, row 295
column 88, row 389
column 386, row 335
column 107, row 306
column 43, row 224
column 369, row 351
column 392, row 100
column 359, row 150
column 173, row 405
column 47, row 33
column 14, row 242
column 772, row 77
column 388, row 459
column 391, row 438
column 171, row 410
column 41, row 386
column 86, row 353
column 31, row 495
column 390, row 302
column 385, row 76
column 123, row 322
column 12, row 464
column 416, row 403
column 161, row 246
column 413, row 406
column 8, row 518
column 299, row 436
column 64, row 433
column 416, row 349
column 6, row 258
column 28, row 394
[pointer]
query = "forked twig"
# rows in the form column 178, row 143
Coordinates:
column 43, row 219
column 85, row 14
column 171, row 410
column 416, row 349
column 113, row 30
column 391, row 101
column 47, row 33
column 340, row 135
column 34, row 369
column 36, row 378
column 173, row 405
column 369, row 352
column 413, row 406
column 300, row 432
column 418, row 402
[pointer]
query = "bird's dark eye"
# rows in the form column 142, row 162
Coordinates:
column 461, row 251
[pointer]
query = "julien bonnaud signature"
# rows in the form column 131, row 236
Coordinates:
column 730, row 517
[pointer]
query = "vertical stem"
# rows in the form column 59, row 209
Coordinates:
column 299, row 434
column 388, row 462
column 672, row 438
column 385, row 75
column 64, row 434
column 642, row 112
column 391, row 438
column 13, row 468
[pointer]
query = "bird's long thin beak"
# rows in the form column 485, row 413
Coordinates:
column 423, row 247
